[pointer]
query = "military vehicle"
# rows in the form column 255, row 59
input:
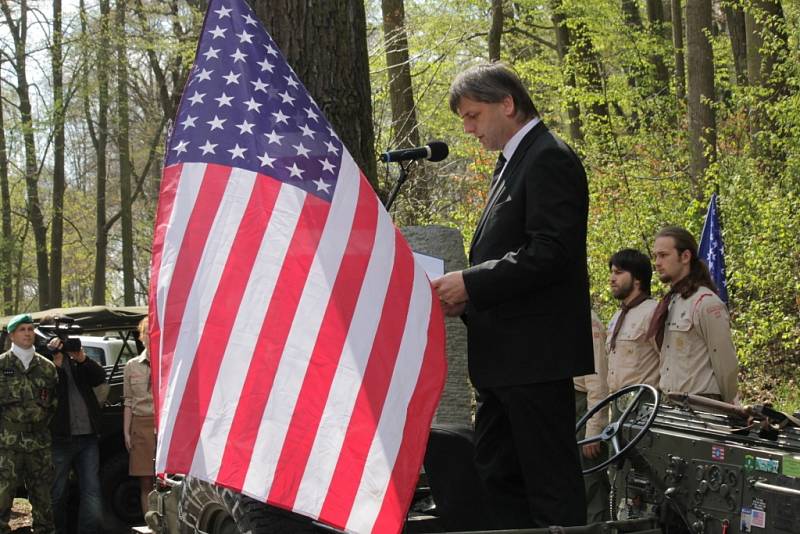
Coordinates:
column 681, row 464
column 120, row 492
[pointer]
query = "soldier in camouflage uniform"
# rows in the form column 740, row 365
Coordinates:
column 27, row 403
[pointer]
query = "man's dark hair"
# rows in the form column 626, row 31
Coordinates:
column 632, row 261
column 491, row 83
column 698, row 271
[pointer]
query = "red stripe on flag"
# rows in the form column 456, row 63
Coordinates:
column 193, row 242
column 219, row 324
column 374, row 388
column 166, row 202
column 421, row 410
column 272, row 339
column 327, row 352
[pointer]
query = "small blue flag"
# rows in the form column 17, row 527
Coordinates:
column 712, row 250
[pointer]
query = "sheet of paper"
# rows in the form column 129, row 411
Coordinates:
column 434, row 267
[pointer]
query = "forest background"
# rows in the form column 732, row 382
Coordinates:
column 666, row 101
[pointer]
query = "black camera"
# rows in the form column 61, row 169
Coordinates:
column 63, row 328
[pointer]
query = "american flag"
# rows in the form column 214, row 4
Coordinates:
column 298, row 348
column 712, row 250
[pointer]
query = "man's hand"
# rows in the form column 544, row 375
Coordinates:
column 453, row 310
column 592, row 450
column 54, row 345
column 450, row 288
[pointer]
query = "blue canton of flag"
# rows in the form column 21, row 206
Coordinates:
column 243, row 106
column 712, row 250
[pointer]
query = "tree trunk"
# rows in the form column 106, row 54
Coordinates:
column 405, row 129
column 631, row 15
column 123, row 144
column 753, row 44
column 100, row 146
column 337, row 73
column 655, row 16
column 677, row 44
column 563, row 46
column 590, row 72
column 19, row 33
column 774, row 36
column 5, row 207
column 767, row 48
column 734, row 16
column 702, row 127
column 496, row 30
column 404, row 116
column 57, row 224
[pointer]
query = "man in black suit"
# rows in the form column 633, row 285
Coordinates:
column 525, row 301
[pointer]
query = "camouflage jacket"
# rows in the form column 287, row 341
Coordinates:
column 27, row 402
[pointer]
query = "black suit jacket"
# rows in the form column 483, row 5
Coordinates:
column 528, row 315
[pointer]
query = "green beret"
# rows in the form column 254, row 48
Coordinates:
column 18, row 320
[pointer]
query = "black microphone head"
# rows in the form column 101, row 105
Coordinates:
column 439, row 150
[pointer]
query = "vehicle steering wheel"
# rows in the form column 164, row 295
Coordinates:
column 611, row 433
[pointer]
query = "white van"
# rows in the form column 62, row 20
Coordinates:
column 105, row 350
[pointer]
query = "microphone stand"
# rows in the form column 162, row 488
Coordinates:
column 400, row 181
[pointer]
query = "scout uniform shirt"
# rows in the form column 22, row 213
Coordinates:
column 27, row 402
column 594, row 385
column 136, row 388
column 634, row 359
column 697, row 355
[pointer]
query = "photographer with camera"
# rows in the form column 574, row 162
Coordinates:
column 75, row 428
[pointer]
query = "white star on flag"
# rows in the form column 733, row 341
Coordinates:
column 266, row 160
column 181, row 147
column 237, row 151
column 216, row 123
column 188, row 122
column 224, row 100
column 196, row 98
column 245, row 127
column 253, row 105
column 321, row 185
column 218, row 33
column 208, row 148
column 231, row 77
column 295, row 171
column 203, row 75
column 280, row 117
column 211, row 53
column 258, row 85
column 223, row 12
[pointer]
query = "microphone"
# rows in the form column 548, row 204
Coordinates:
column 433, row 151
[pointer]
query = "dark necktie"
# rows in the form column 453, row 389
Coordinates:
column 498, row 168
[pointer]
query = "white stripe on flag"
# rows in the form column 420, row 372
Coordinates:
column 246, row 329
column 187, row 189
column 303, row 333
column 212, row 263
column 384, row 448
column 347, row 381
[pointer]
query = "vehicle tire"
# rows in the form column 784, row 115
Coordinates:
column 121, row 504
column 211, row 509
